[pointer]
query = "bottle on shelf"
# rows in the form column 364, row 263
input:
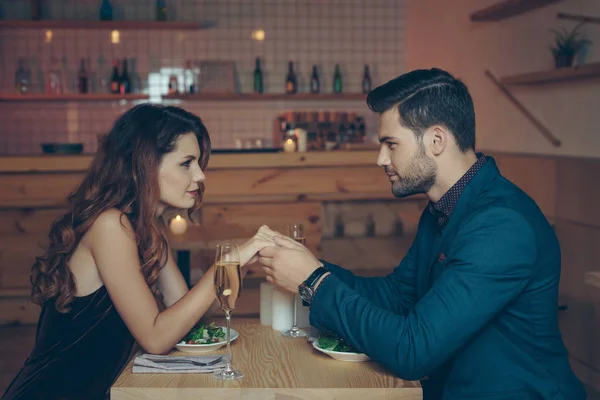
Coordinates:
column 54, row 83
column 23, row 77
column 337, row 80
column 291, row 84
column 106, row 11
column 315, row 86
column 82, row 78
column 36, row 10
column 125, row 82
column 173, row 85
column 258, row 77
column 115, row 81
column 161, row 10
column 189, row 84
column 366, row 82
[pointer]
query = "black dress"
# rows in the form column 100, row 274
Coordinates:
column 77, row 355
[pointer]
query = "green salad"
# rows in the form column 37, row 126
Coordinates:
column 334, row 343
column 205, row 334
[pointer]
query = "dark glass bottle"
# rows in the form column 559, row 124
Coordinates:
column 291, row 85
column 125, row 80
column 106, row 11
column 258, row 77
column 315, row 85
column 366, row 82
column 337, row 80
column 115, row 82
column 161, row 10
column 82, row 78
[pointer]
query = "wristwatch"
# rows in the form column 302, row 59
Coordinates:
column 307, row 288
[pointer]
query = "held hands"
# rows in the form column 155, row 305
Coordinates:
column 287, row 264
column 249, row 250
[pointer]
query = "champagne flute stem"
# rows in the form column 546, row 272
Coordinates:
column 229, row 355
column 295, row 326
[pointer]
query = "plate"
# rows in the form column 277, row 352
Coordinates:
column 341, row 355
column 205, row 348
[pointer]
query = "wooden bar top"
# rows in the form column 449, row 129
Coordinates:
column 80, row 163
column 275, row 367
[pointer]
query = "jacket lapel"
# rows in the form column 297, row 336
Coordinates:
column 438, row 247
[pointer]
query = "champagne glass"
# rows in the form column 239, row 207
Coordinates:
column 296, row 232
column 228, row 286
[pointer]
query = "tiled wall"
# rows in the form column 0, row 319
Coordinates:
column 351, row 33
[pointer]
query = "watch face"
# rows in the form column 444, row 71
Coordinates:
column 305, row 293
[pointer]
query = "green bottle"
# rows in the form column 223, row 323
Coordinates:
column 258, row 78
column 161, row 10
column 337, row 80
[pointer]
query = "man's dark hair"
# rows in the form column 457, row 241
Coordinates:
column 428, row 97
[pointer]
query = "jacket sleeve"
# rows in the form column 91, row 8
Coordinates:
column 489, row 264
column 395, row 292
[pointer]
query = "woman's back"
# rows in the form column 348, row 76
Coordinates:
column 78, row 354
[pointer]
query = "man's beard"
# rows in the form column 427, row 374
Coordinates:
column 418, row 177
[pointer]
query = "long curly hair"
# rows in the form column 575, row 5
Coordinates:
column 122, row 175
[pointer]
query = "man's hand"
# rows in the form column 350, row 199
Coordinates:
column 289, row 264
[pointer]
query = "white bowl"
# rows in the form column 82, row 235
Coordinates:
column 205, row 348
column 341, row 355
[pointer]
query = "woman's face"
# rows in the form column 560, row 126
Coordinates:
column 180, row 175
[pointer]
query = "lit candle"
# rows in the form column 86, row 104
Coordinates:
column 178, row 225
column 289, row 146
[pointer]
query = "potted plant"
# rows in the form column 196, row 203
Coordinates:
column 567, row 44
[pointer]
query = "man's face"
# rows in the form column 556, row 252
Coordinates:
column 404, row 158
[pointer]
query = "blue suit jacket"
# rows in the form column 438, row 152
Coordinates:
column 474, row 311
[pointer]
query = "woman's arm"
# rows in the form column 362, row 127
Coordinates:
column 113, row 246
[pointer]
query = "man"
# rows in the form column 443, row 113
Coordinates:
column 472, row 308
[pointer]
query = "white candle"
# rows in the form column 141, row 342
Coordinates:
column 283, row 309
column 178, row 225
column 301, row 134
column 289, row 146
column 266, row 303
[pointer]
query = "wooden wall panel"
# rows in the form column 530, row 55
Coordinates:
column 25, row 190
column 536, row 176
column 16, row 258
column 276, row 215
column 27, row 222
column 579, row 194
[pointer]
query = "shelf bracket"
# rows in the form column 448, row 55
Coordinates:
column 545, row 131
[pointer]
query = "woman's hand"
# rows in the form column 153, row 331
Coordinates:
column 249, row 250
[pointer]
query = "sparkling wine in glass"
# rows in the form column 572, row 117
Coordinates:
column 228, row 286
column 296, row 232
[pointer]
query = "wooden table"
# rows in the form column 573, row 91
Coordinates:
column 275, row 367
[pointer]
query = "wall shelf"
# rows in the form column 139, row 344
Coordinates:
column 71, row 97
column 580, row 18
column 507, row 9
column 6, row 97
column 585, row 71
column 112, row 25
column 266, row 96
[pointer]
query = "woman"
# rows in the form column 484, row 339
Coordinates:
column 108, row 278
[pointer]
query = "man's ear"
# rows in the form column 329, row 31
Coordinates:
column 437, row 138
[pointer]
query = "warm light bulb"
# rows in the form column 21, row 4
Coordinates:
column 258, row 34
column 49, row 35
column 115, row 37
